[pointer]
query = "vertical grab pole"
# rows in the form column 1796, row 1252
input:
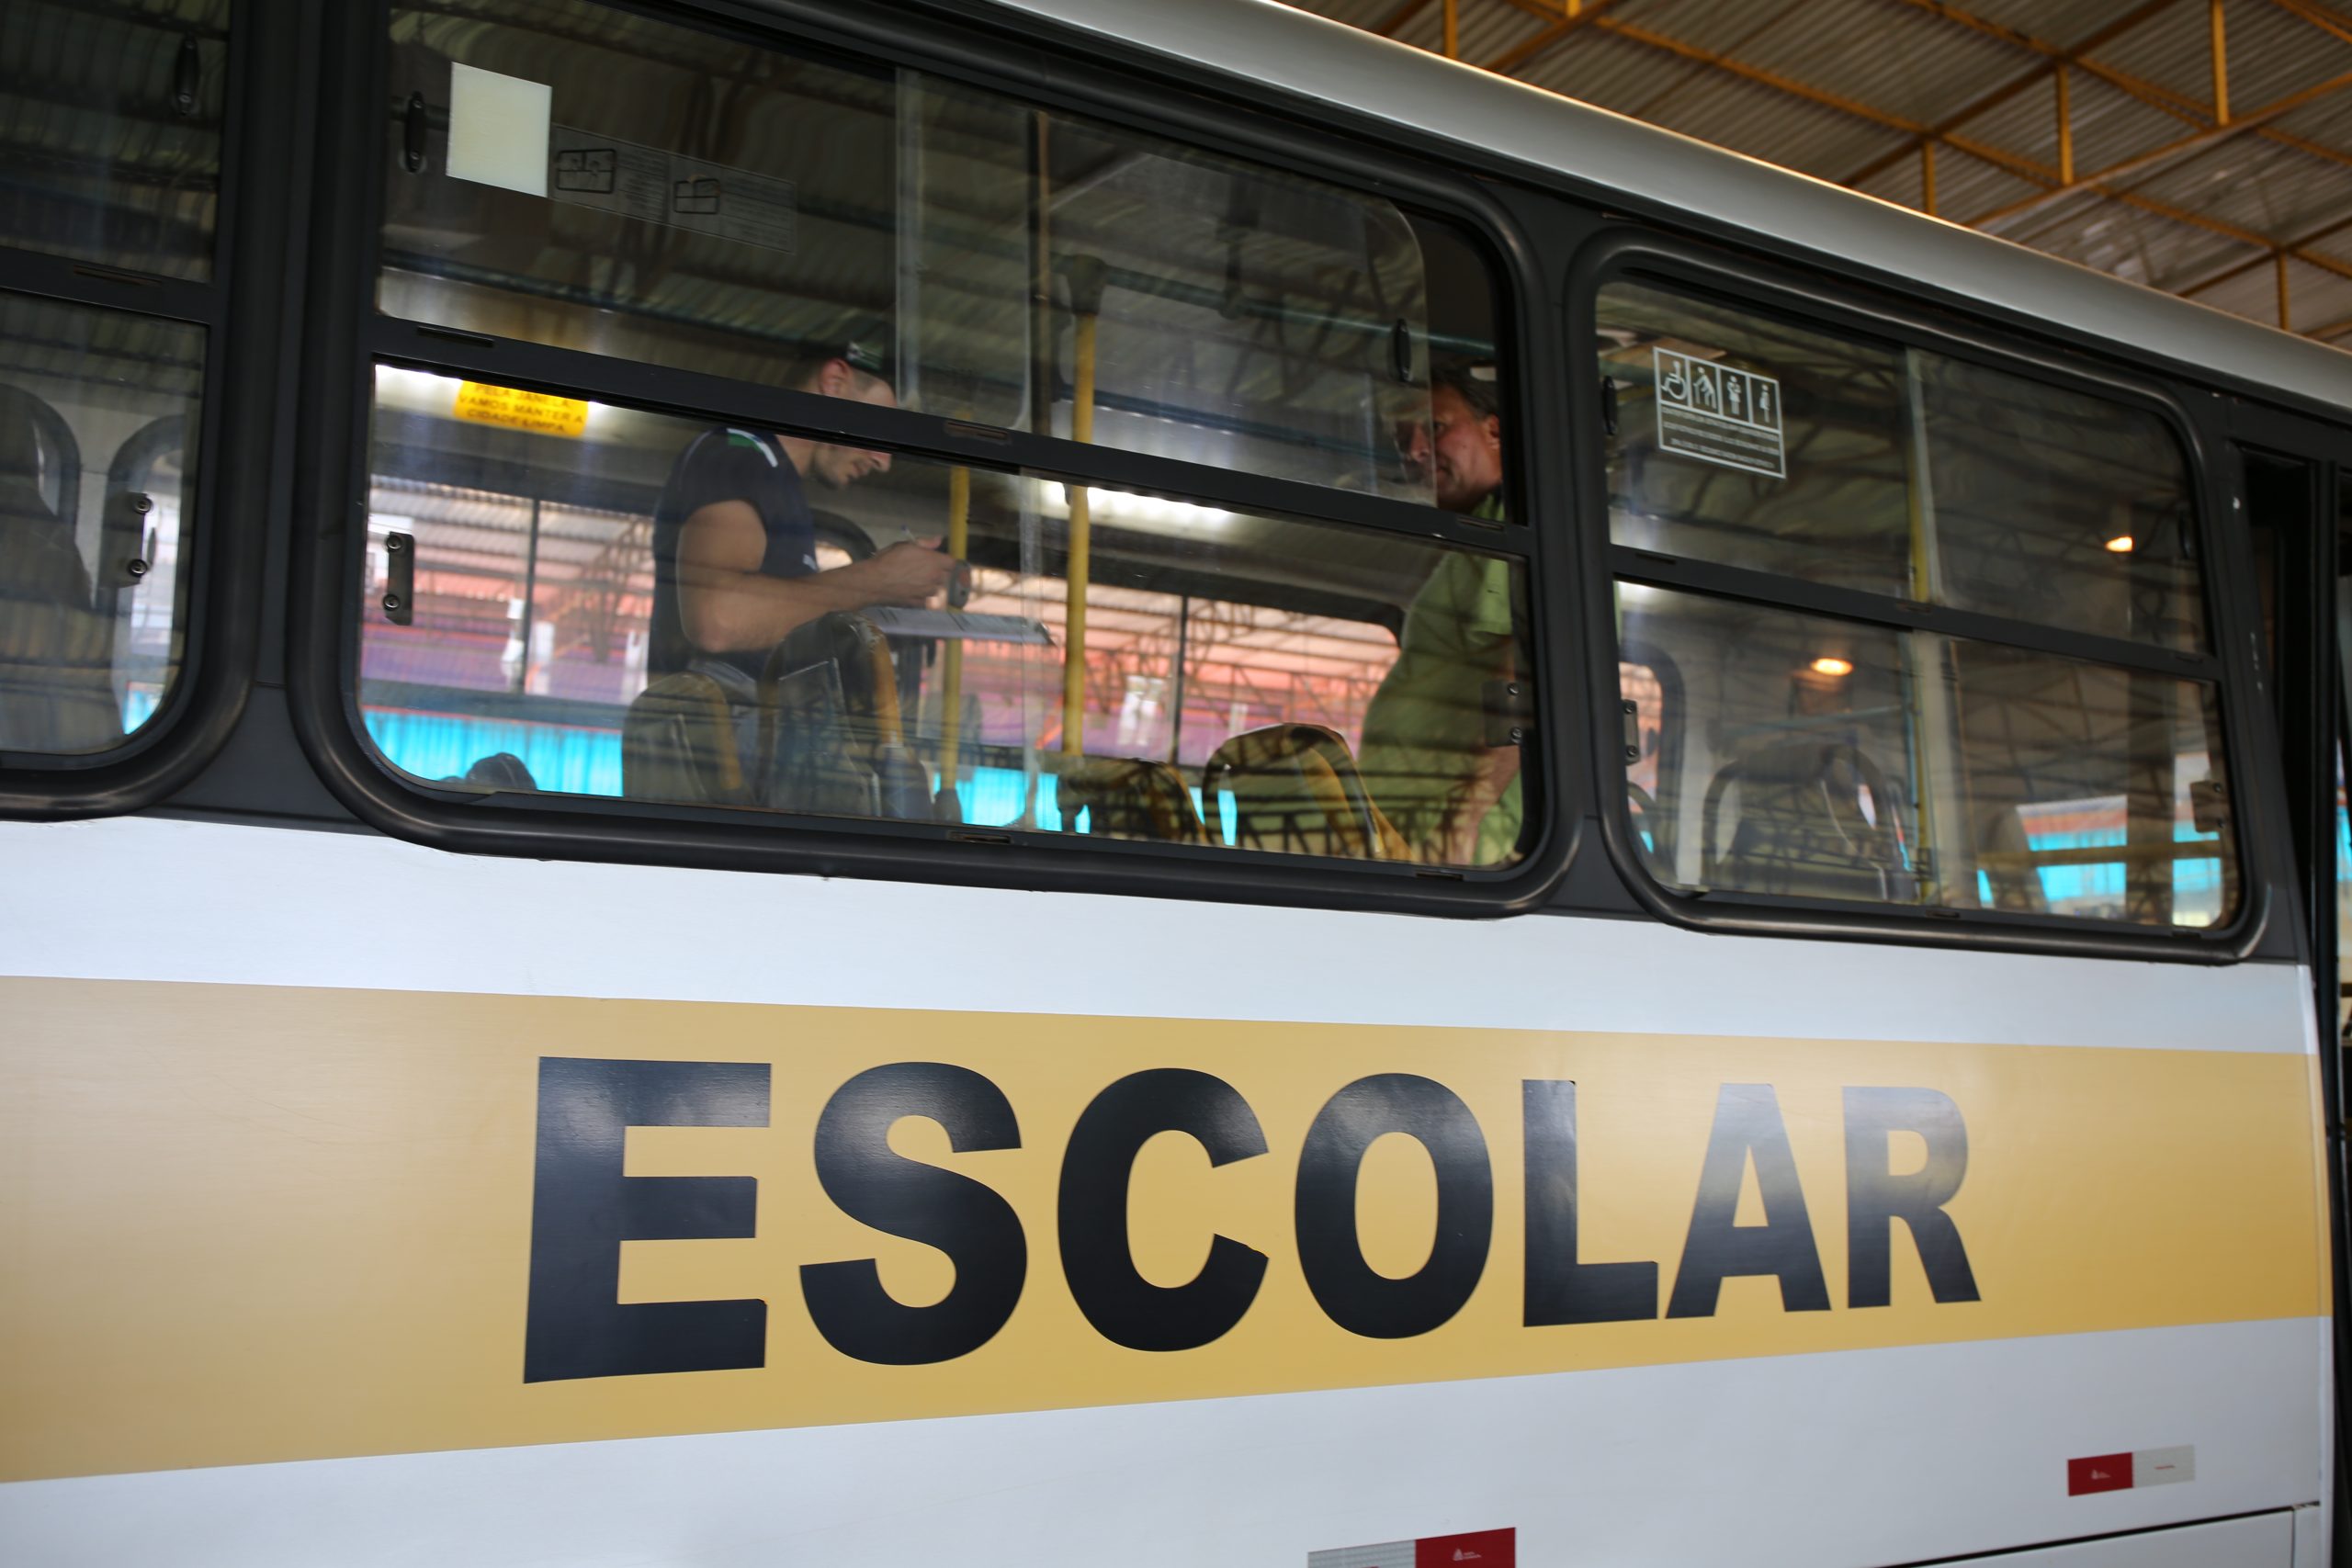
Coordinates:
column 1086, row 281
column 1949, row 878
column 951, row 658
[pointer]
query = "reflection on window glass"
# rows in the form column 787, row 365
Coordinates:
column 1755, row 443
column 97, row 418
column 574, row 597
column 110, row 129
column 576, row 175
column 1826, row 759
column 2343, row 739
column 1643, row 722
column 2053, row 506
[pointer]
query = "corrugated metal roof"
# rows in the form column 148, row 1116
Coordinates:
column 2164, row 193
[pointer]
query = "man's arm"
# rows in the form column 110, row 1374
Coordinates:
column 728, row 605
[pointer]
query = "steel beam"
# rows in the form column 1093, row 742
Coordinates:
column 1577, row 14
column 2220, row 51
column 2197, row 142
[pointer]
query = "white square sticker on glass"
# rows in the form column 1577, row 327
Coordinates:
column 1718, row 414
column 497, row 129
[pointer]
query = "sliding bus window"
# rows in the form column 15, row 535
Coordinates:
column 534, row 619
column 580, row 175
column 1758, row 443
column 1984, row 684
column 110, row 129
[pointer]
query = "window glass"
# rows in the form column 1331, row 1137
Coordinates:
column 2343, row 740
column 1810, row 480
column 1757, row 443
column 97, row 426
column 1827, row 758
column 571, row 596
column 2054, row 506
column 110, row 129
column 579, row 175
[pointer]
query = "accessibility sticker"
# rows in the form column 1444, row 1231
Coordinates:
column 1718, row 414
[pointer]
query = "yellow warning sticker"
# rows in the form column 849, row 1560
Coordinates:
column 540, row 412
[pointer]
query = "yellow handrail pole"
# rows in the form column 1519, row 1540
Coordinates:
column 951, row 668
column 1086, row 280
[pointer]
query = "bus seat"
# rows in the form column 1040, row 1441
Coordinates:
column 1128, row 797
column 680, row 741
column 830, row 731
column 1801, row 828
column 503, row 771
column 2007, row 855
column 56, row 653
column 1295, row 789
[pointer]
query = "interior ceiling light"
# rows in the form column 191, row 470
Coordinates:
column 1828, row 664
column 2122, row 544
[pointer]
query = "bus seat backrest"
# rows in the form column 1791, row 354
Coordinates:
column 56, row 651
column 811, row 762
column 830, row 726
column 1128, row 797
column 1295, row 788
column 680, row 741
column 500, row 771
column 1801, row 828
column 2007, row 855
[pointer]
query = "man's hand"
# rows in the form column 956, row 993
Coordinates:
column 908, row 572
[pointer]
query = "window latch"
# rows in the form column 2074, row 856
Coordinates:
column 399, row 579
column 412, row 128
column 187, row 74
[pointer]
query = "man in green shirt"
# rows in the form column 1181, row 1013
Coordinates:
column 1454, row 799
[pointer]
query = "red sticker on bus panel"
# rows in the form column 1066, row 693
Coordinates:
column 1478, row 1549
column 2100, row 1473
column 1488, row 1548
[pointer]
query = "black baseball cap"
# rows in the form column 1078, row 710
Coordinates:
column 869, row 344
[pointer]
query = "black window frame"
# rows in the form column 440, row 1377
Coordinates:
column 240, row 307
column 1834, row 305
column 347, row 337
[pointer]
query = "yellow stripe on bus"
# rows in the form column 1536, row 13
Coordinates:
column 246, row 1224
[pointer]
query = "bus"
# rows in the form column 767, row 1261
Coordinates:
column 1051, row 781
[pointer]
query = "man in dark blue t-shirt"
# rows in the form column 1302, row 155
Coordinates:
column 735, row 543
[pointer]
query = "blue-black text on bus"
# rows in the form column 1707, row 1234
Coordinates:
column 584, row 1207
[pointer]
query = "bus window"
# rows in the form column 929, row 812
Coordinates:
column 97, row 411
column 2052, row 505
column 1956, row 764
column 533, row 618
column 113, row 136
column 1834, row 760
column 1760, row 444
column 583, row 175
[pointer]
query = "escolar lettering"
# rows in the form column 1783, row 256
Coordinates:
column 584, row 1207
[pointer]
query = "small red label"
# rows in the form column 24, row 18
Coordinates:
column 2100, row 1473
column 1482, row 1548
